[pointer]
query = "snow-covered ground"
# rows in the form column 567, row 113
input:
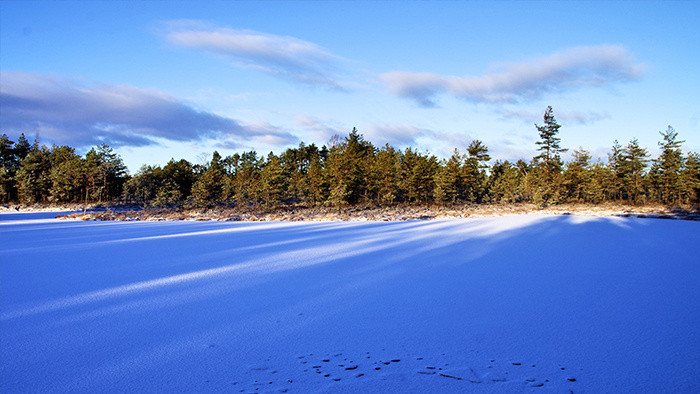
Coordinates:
column 507, row 304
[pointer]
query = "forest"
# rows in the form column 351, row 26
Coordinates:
column 352, row 171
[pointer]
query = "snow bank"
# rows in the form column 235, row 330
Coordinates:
column 507, row 304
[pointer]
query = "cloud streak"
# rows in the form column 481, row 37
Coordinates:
column 578, row 117
column 66, row 112
column 281, row 56
column 574, row 68
column 320, row 130
column 396, row 135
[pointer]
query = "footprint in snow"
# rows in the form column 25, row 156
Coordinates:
column 341, row 365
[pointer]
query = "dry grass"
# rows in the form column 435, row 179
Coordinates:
column 396, row 213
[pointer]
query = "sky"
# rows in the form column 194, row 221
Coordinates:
column 179, row 79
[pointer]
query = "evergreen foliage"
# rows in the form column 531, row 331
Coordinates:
column 353, row 171
column 549, row 145
column 208, row 190
column 666, row 172
column 633, row 165
column 547, row 176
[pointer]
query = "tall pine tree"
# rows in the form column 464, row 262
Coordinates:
column 667, row 168
column 549, row 159
column 549, row 145
column 634, row 164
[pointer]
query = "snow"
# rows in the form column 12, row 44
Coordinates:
column 506, row 304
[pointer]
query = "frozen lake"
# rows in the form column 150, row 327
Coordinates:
column 508, row 304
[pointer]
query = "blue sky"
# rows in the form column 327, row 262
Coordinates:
column 161, row 79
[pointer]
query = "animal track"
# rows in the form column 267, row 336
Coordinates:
column 385, row 365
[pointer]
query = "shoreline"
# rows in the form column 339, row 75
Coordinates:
column 352, row 213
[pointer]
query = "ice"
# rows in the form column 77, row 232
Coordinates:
column 506, row 304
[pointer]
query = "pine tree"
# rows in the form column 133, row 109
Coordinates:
column 33, row 176
column 317, row 180
column 246, row 175
column 294, row 164
column 667, row 168
column 208, row 190
column 596, row 190
column 8, row 168
column 690, row 176
column 358, row 154
column 549, row 145
column 273, row 181
column 449, row 180
column 577, row 175
column 633, row 166
column 22, row 147
column 504, row 183
column 178, row 178
column 383, row 176
column 143, row 186
column 475, row 175
column 347, row 168
column 549, row 161
column 418, row 175
column 65, row 175
column 616, row 165
column 106, row 173
column 11, row 156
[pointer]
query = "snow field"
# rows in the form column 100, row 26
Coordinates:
column 507, row 304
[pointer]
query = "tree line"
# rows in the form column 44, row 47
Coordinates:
column 351, row 171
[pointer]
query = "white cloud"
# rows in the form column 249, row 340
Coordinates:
column 282, row 56
column 567, row 70
column 66, row 112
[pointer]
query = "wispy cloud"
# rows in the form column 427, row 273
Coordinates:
column 281, row 56
column 320, row 130
column 436, row 142
column 400, row 136
column 396, row 135
column 567, row 70
column 67, row 112
column 572, row 117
